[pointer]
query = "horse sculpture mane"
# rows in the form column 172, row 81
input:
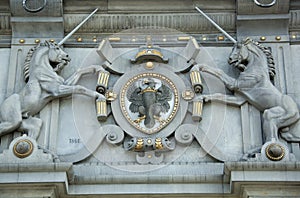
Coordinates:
column 27, row 61
column 267, row 52
column 30, row 54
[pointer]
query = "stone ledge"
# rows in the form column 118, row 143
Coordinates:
column 261, row 166
column 172, row 190
column 170, row 173
column 35, row 167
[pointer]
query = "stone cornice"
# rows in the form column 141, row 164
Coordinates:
column 261, row 166
column 154, row 6
column 184, row 22
column 35, row 167
column 112, row 19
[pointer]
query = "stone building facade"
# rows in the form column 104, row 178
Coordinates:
column 142, row 100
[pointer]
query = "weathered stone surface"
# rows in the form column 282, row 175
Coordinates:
column 190, row 147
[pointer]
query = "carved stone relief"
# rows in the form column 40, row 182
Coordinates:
column 153, row 127
column 152, row 103
column 149, row 111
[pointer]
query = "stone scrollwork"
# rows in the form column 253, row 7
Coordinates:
column 185, row 134
column 114, row 134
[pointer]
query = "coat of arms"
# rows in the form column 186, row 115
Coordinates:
column 151, row 100
column 150, row 103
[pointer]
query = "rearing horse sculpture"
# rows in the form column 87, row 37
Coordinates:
column 256, row 66
column 43, row 84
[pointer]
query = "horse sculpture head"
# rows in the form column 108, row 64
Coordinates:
column 57, row 58
column 239, row 56
column 244, row 51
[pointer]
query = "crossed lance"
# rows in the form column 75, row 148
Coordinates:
column 101, row 114
column 200, row 11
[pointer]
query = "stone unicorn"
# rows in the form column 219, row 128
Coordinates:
column 256, row 66
column 43, row 84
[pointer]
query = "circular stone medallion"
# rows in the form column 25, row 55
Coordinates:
column 275, row 151
column 149, row 101
column 23, row 148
